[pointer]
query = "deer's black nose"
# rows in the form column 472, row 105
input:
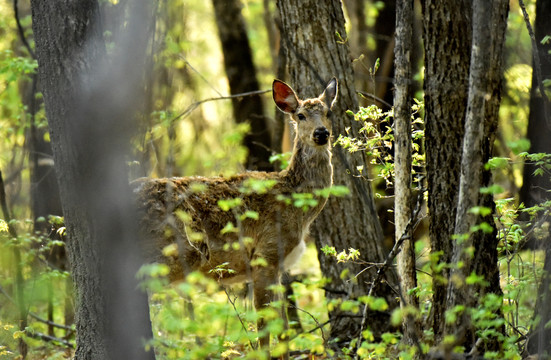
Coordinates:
column 321, row 135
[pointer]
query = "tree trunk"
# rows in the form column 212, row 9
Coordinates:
column 534, row 188
column 483, row 103
column 315, row 54
column 447, row 46
column 540, row 334
column 241, row 73
column 89, row 104
column 402, row 165
column 384, row 30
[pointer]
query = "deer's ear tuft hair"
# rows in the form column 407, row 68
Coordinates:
column 329, row 95
column 284, row 97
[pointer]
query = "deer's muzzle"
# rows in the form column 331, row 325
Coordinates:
column 321, row 136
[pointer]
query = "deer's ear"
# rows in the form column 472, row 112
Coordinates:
column 284, row 97
column 329, row 95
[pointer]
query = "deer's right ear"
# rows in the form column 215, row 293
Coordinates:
column 284, row 97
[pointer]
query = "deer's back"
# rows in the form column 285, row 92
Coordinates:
column 184, row 215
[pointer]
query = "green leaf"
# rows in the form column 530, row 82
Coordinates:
column 249, row 214
column 227, row 204
column 329, row 250
column 257, row 186
column 3, row 226
column 229, row 228
column 497, row 163
column 492, row 189
column 519, row 146
column 480, row 210
column 475, row 279
column 260, row 261
column 335, row 190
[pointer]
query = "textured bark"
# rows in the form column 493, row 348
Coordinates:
column 489, row 23
column 471, row 160
column 241, row 73
column 402, row 164
column 471, row 167
column 88, row 101
column 486, row 244
column 534, row 188
column 540, row 335
column 315, row 54
column 447, row 58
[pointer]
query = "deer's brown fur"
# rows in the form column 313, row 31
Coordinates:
column 184, row 212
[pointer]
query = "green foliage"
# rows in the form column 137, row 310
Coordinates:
column 205, row 140
column 376, row 137
column 223, row 320
column 42, row 283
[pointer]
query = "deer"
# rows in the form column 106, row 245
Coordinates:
column 184, row 213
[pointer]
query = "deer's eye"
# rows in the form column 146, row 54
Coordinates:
column 301, row 117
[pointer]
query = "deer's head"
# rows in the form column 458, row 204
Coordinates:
column 312, row 117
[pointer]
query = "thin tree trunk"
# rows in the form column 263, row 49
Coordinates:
column 402, row 165
column 241, row 73
column 90, row 104
column 447, row 44
column 315, row 54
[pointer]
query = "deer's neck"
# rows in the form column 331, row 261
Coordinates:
column 309, row 168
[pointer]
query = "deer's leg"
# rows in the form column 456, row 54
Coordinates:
column 263, row 277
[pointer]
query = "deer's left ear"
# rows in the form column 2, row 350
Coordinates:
column 329, row 95
column 284, row 97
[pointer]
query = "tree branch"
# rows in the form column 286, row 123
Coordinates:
column 49, row 338
column 196, row 104
column 20, row 29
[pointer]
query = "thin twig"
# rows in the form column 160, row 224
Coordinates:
column 374, row 97
column 239, row 316
column 318, row 325
column 196, row 104
column 199, row 74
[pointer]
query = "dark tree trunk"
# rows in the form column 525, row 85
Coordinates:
column 535, row 188
column 384, row 29
column 540, row 335
column 315, row 54
column 489, row 23
column 447, row 59
column 90, row 101
column 241, row 73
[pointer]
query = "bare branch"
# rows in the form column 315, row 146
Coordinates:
column 49, row 338
column 196, row 104
column 374, row 97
